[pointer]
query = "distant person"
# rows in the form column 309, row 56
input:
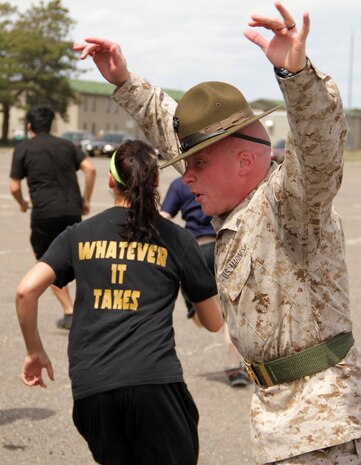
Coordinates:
column 179, row 198
column 130, row 401
column 49, row 165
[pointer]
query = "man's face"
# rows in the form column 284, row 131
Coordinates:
column 213, row 177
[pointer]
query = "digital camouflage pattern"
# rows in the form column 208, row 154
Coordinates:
column 280, row 267
column 348, row 453
column 150, row 106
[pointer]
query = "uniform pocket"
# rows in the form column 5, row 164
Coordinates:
column 254, row 302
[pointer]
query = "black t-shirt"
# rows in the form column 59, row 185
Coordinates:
column 122, row 330
column 49, row 165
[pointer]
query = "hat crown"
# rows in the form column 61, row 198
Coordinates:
column 208, row 103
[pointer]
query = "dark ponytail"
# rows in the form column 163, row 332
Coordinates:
column 137, row 168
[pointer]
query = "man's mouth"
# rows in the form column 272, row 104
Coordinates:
column 197, row 196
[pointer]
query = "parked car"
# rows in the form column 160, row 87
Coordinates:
column 79, row 138
column 106, row 144
column 278, row 151
column 19, row 134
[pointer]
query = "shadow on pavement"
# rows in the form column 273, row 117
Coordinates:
column 13, row 414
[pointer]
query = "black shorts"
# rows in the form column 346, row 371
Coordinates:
column 44, row 231
column 153, row 424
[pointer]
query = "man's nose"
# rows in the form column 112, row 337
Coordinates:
column 188, row 176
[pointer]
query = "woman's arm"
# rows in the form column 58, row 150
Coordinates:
column 210, row 314
column 32, row 285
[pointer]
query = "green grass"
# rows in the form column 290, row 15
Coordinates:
column 353, row 155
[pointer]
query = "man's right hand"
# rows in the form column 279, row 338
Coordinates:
column 107, row 56
column 24, row 206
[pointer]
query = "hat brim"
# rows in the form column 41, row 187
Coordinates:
column 215, row 139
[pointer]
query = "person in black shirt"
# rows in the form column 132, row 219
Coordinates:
column 130, row 400
column 49, row 165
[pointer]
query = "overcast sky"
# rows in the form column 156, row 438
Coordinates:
column 177, row 44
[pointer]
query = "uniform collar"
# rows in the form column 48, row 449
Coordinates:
column 231, row 220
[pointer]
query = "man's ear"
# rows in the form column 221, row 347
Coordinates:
column 246, row 162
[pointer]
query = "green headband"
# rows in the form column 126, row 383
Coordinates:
column 114, row 171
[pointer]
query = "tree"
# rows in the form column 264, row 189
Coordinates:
column 36, row 59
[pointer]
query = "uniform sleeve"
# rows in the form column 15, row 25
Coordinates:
column 197, row 280
column 153, row 111
column 59, row 258
column 314, row 148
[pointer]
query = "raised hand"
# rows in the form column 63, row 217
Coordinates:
column 107, row 56
column 287, row 48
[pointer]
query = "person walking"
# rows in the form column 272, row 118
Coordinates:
column 280, row 254
column 179, row 198
column 49, row 165
column 131, row 403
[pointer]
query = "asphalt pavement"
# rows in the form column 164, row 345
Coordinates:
column 35, row 424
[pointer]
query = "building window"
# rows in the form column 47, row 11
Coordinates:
column 107, row 105
column 94, row 103
column 85, row 103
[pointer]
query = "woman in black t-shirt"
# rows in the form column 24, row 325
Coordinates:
column 130, row 401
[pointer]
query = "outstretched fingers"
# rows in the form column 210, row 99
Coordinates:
column 280, row 25
column 305, row 26
column 91, row 46
column 256, row 38
column 85, row 49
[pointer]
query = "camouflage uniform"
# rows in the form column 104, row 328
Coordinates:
column 280, row 267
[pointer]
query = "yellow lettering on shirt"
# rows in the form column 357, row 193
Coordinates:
column 142, row 251
column 86, row 250
column 106, row 300
column 101, row 247
column 116, row 299
column 162, row 256
column 122, row 248
column 132, row 251
column 151, row 253
column 97, row 294
column 135, row 298
column 112, row 250
column 118, row 271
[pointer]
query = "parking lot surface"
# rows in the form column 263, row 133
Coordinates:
column 35, row 424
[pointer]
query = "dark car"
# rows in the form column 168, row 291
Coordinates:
column 79, row 138
column 106, row 144
column 278, row 151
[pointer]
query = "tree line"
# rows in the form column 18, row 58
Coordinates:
column 36, row 59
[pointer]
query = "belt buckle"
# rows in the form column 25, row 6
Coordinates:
column 251, row 373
